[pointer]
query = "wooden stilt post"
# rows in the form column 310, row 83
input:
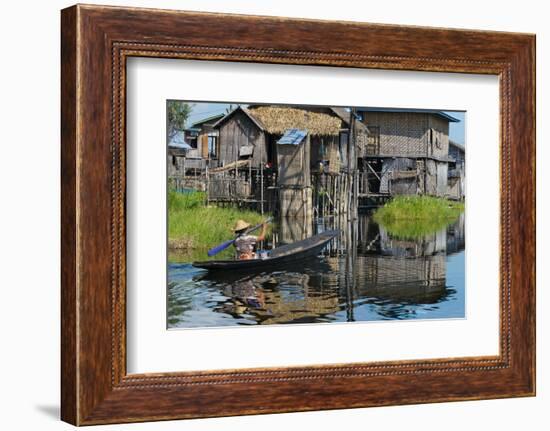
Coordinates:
column 352, row 167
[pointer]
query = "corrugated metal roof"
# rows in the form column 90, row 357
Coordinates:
column 292, row 137
column 212, row 118
column 178, row 141
column 412, row 111
column 457, row 145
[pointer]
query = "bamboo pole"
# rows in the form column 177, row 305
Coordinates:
column 207, row 186
column 336, row 195
column 350, row 144
column 250, row 173
column 325, row 195
column 261, row 179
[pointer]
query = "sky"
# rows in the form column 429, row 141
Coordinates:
column 204, row 110
column 457, row 130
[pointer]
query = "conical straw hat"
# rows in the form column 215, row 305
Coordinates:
column 240, row 225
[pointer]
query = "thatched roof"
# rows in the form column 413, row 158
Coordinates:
column 278, row 119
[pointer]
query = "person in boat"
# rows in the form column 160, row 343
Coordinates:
column 245, row 243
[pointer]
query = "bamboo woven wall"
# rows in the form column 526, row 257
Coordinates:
column 296, row 203
column 406, row 133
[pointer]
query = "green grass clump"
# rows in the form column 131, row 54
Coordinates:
column 412, row 217
column 193, row 227
column 180, row 201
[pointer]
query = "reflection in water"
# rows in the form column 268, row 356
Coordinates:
column 366, row 275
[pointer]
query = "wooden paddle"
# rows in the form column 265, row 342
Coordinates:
column 215, row 250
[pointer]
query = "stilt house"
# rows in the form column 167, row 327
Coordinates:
column 457, row 171
column 252, row 134
column 190, row 149
column 407, row 151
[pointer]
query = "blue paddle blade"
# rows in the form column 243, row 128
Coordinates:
column 218, row 248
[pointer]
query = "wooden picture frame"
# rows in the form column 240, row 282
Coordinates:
column 95, row 43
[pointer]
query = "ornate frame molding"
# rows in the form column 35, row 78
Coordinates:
column 96, row 41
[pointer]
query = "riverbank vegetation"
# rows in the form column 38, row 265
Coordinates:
column 411, row 217
column 194, row 227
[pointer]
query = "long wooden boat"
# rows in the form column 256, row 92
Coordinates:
column 307, row 248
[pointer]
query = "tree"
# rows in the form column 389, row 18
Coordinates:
column 178, row 112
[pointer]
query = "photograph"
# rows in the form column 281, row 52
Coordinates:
column 302, row 214
column 331, row 209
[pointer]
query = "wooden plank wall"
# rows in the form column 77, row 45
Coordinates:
column 237, row 132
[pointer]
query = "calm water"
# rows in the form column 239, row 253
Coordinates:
column 366, row 275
